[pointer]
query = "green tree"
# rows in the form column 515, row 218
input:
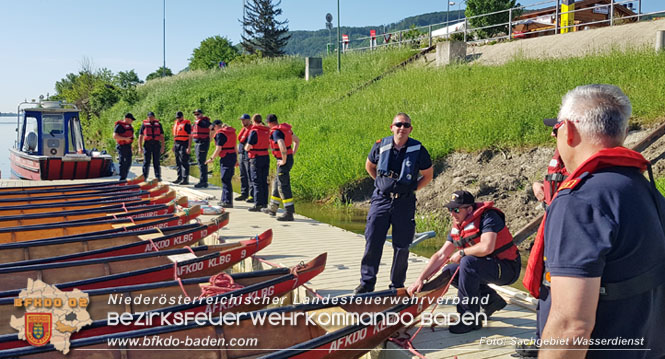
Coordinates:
column 92, row 91
column 479, row 7
column 158, row 73
column 262, row 31
column 127, row 79
column 212, row 50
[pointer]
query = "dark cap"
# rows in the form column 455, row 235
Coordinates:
column 460, row 198
column 271, row 118
column 217, row 123
column 179, row 114
column 551, row 122
column 198, row 110
column 245, row 117
column 151, row 114
column 129, row 115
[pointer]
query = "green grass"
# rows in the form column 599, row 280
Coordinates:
column 464, row 107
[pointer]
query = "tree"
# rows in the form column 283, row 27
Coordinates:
column 90, row 90
column 261, row 30
column 127, row 79
column 158, row 73
column 479, row 7
column 212, row 50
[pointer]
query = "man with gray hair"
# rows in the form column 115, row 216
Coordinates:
column 598, row 269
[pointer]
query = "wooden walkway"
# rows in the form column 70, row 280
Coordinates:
column 303, row 239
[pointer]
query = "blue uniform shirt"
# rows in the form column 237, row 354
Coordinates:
column 608, row 227
column 390, row 185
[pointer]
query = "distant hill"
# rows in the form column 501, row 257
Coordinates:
column 313, row 43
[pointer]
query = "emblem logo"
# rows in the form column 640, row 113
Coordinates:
column 38, row 328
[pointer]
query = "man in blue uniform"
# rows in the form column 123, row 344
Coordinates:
column 201, row 136
column 225, row 149
column 151, row 143
column 257, row 146
column 604, row 239
column 394, row 163
column 123, row 134
column 246, row 186
column 284, row 144
column 182, row 142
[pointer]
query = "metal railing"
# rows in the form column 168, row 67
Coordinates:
column 425, row 36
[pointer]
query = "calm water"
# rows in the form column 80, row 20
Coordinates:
column 7, row 138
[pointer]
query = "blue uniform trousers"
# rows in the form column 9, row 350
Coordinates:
column 201, row 148
column 227, row 165
column 246, row 186
column 476, row 273
column 124, row 159
column 181, row 159
column 259, row 167
column 383, row 212
column 152, row 151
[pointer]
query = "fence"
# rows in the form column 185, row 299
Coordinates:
column 425, row 36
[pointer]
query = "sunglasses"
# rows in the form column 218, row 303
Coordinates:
column 400, row 124
column 555, row 129
column 456, row 210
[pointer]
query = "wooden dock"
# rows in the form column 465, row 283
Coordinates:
column 303, row 239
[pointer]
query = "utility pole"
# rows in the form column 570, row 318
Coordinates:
column 164, row 37
column 339, row 55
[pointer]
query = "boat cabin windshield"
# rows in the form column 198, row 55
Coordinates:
column 50, row 133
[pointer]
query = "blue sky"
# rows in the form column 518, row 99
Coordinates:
column 41, row 41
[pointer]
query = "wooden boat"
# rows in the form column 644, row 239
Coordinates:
column 108, row 195
column 303, row 339
column 133, row 269
column 270, row 283
column 71, row 191
column 82, row 185
column 49, row 145
column 46, row 232
column 17, row 209
column 51, row 230
column 91, row 214
column 70, row 249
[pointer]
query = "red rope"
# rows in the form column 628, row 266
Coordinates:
column 190, row 250
column 175, row 277
column 219, row 284
column 153, row 245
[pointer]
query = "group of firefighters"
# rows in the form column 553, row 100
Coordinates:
column 248, row 150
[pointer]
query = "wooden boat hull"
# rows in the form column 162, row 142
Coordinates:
column 111, row 247
column 271, row 283
column 204, row 265
column 80, row 185
column 299, row 340
column 144, row 186
column 112, row 194
column 37, row 168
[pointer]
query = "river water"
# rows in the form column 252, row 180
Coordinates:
column 7, row 139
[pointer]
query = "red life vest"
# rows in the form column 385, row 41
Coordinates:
column 608, row 157
column 242, row 136
column 261, row 146
column 179, row 133
column 152, row 131
column 230, row 144
column 468, row 233
column 556, row 174
column 199, row 132
column 288, row 140
column 128, row 132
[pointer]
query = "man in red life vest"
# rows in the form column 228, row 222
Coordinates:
column 598, row 266
column 151, row 143
column 123, row 134
column 226, row 151
column 258, row 143
column 284, row 144
column 482, row 247
column 246, row 186
column 201, row 136
column 182, row 141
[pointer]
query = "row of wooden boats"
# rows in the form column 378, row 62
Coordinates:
column 134, row 239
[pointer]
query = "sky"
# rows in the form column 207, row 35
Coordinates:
column 43, row 40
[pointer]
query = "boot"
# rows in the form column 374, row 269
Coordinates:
column 271, row 210
column 288, row 216
column 177, row 181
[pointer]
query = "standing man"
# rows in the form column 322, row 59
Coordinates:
column 182, row 142
column 201, row 136
column 123, row 134
column 151, row 142
column 259, row 162
column 246, row 186
column 225, row 148
column 598, row 270
column 284, row 145
column 482, row 247
column 393, row 163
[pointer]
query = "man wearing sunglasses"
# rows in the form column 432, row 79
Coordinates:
column 482, row 247
column 394, row 163
column 598, row 268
